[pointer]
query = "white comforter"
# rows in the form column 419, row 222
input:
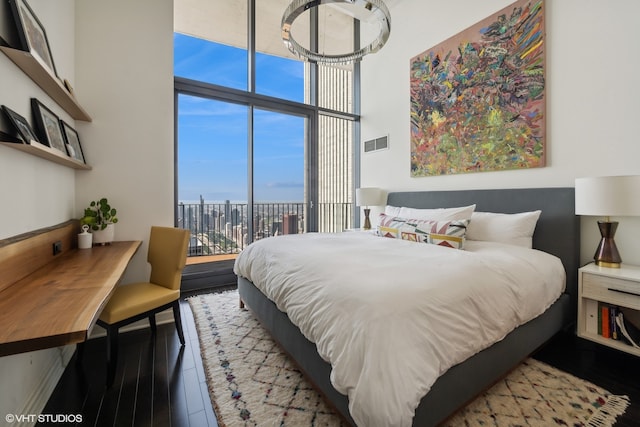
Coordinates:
column 391, row 316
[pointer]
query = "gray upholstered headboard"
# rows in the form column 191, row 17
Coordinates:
column 557, row 231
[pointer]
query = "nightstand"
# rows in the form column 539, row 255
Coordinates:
column 618, row 287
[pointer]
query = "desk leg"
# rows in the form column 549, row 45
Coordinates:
column 152, row 323
column 79, row 353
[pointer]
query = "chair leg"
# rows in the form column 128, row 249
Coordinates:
column 178, row 320
column 112, row 354
column 152, row 323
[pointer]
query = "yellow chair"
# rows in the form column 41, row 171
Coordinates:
column 130, row 303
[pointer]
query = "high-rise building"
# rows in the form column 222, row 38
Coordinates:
column 290, row 224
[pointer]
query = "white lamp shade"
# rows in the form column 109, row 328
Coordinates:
column 369, row 196
column 608, row 196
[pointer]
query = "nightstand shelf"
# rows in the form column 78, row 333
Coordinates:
column 615, row 286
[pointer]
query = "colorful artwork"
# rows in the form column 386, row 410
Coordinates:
column 478, row 98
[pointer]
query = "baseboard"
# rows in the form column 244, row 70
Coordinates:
column 40, row 396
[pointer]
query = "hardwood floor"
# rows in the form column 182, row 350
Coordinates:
column 158, row 383
column 613, row 370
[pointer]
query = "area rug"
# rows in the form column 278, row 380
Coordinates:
column 252, row 382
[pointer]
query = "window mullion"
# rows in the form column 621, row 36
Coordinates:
column 251, row 46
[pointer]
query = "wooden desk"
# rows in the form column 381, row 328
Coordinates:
column 58, row 303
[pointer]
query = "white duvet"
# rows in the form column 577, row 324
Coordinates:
column 391, row 316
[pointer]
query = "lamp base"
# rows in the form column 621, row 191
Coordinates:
column 367, row 223
column 607, row 254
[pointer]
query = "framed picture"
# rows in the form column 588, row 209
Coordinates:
column 22, row 126
column 31, row 34
column 8, row 32
column 74, row 149
column 48, row 126
column 478, row 98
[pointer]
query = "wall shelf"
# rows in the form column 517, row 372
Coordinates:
column 42, row 151
column 49, row 83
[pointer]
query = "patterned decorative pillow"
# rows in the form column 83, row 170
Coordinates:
column 442, row 233
column 432, row 214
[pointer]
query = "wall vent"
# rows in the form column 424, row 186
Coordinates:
column 381, row 143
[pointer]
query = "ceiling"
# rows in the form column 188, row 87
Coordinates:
column 224, row 21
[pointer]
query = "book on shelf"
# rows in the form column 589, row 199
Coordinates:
column 607, row 326
column 605, row 320
column 613, row 326
column 613, row 322
column 628, row 331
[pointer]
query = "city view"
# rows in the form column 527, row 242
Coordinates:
column 215, row 152
column 222, row 228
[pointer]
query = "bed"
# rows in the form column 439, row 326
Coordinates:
column 556, row 233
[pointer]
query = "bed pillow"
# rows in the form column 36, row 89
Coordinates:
column 514, row 229
column 442, row 233
column 392, row 210
column 438, row 214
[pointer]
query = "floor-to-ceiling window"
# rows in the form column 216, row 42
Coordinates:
column 279, row 179
column 212, row 182
column 251, row 115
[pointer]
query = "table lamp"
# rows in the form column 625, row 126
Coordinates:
column 608, row 196
column 368, row 196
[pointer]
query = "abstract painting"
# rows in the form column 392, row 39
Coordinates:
column 478, row 98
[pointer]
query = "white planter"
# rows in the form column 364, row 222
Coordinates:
column 104, row 237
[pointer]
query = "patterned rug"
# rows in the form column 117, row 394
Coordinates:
column 253, row 383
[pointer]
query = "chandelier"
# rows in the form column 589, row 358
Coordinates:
column 375, row 7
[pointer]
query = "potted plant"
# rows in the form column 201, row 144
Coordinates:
column 100, row 217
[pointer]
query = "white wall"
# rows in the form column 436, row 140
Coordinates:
column 124, row 73
column 36, row 193
column 118, row 55
column 591, row 100
column 121, row 69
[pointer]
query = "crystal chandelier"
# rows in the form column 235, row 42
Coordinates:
column 375, row 7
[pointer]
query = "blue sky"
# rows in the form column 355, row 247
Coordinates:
column 212, row 135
